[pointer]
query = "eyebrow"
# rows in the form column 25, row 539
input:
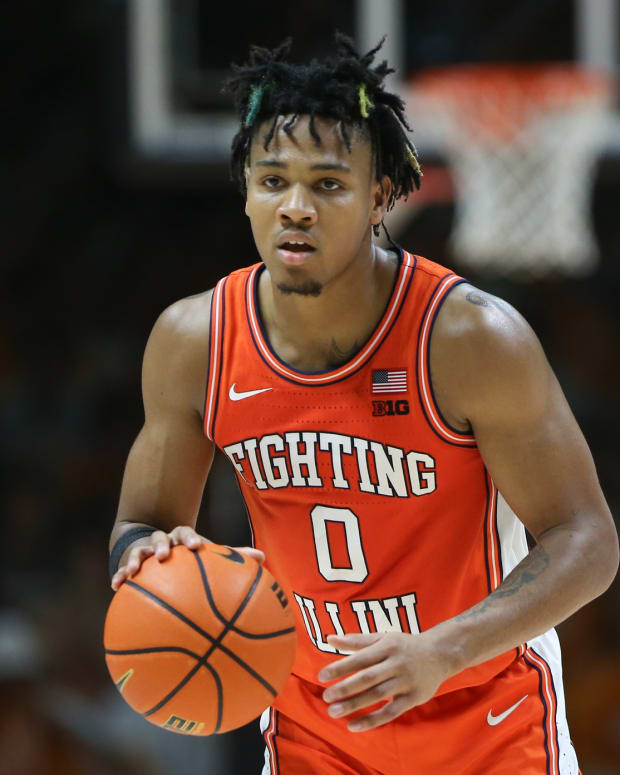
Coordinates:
column 339, row 166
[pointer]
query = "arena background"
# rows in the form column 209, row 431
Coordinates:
column 103, row 227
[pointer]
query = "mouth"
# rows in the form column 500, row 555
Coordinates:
column 294, row 251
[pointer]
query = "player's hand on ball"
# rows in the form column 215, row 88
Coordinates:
column 159, row 544
column 403, row 669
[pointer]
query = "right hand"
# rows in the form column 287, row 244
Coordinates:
column 159, row 544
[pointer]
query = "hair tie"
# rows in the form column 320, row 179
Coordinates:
column 365, row 102
column 413, row 160
column 254, row 103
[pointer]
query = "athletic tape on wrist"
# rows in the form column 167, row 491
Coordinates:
column 123, row 542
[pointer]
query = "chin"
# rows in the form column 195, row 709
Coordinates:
column 304, row 288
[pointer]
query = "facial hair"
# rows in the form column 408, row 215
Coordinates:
column 307, row 288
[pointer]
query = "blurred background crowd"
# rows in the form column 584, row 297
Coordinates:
column 97, row 238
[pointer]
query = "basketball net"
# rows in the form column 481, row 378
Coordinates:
column 522, row 144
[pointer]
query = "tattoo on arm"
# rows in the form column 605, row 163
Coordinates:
column 475, row 298
column 528, row 570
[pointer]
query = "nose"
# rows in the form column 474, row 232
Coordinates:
column 297, row 207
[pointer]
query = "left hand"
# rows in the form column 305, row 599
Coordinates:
column 399, row 667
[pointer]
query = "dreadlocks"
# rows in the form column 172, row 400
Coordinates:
column 345, row 88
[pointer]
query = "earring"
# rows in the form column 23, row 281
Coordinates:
column 376, row 229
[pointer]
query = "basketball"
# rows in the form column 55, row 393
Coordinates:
column 201, row 642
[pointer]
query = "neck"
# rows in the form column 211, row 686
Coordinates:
column 317, row 333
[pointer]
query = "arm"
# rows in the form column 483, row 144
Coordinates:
column 490, row 374
column 540, row 461
column 168, row 463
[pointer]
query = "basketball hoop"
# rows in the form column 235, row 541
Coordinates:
column 522, row 143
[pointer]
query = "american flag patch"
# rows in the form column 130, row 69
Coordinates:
column 389, row 381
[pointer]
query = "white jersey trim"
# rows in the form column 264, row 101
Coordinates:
column 545, row 651
column 351, row 366
column 428, row 401
column 215, row 338
column 268, row 722
column 512, row 541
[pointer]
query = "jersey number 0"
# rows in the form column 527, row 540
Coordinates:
column 357, row 570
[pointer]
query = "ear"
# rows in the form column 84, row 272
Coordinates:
column 246, row 174
column 380, row 197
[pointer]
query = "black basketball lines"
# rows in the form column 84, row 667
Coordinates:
column 215, row 643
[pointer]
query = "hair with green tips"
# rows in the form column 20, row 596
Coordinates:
column 345, row 87
column 365, row 104
column 256, row 96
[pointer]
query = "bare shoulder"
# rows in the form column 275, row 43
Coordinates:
column 175, row 360
column 471, row 317
column 187, row 318
column 483, row 351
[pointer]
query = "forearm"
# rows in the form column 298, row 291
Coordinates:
column 151, row 533
column 121, row 528
column 124, row 526
column 564, row 571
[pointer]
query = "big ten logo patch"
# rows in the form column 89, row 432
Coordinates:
column 282, row 599
column 390, row 408
column 178, row 724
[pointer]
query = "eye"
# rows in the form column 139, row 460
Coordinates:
column 329, row 184
column 272, row 181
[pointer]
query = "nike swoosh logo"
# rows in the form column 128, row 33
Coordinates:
column 234, row 555
column 493, row 720
column 234, row 396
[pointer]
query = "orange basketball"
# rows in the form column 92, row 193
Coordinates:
column 201, row 642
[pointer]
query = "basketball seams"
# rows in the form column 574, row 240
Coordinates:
column 175, row 612
column 262, row 636
column 220, row 695
column 207, row 589
column 181, row 681
column 210, row 638
column 153, row 650
column 176, row 689
column 206, row 635
column 218, row 685
column 217, row 642
column 229, row 626
column 205, row 583
column 247, row 598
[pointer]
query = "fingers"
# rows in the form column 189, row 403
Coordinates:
column 388, row 712
column 160, row 544
column 373, row 695
column 357, row 640
column 359, row 682
column 135, row 559
column 187, row 536
column 372, row 650
column 255, row 554
column 118, row 578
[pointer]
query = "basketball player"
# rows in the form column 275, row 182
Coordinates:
column 393, row 429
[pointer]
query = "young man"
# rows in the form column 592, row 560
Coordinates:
column 387, row 422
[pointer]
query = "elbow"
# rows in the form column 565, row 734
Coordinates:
column 606, row 557
column 615, row 558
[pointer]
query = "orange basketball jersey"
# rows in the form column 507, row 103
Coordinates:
column 374, row 514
